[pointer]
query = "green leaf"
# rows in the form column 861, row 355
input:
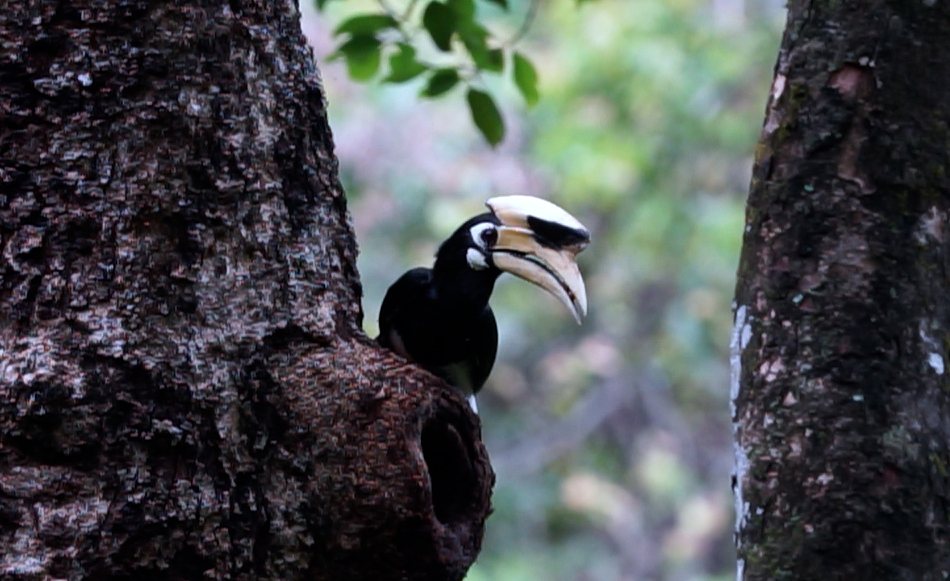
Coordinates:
column 440, row 21
column 403, row 65
column 502, row 3
column 526, row 78
column 486, row 116
column 495, row 61
column 321, row 4
column 464, row 9
column 362, row 56
column 440, row 82
column 365, row 24
column 475, row 38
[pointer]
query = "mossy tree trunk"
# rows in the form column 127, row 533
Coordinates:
column 840, row 348
column 185, row 391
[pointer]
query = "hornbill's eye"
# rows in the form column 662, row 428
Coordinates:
column 484, row 235
column 489, row 236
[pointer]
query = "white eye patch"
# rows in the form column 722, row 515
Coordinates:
column 476, row 259
column 478, row 231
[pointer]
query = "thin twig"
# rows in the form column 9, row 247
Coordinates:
column 525, row 25
column 400, row 20
column 566, row 434
column 408, row 13
column 386, row 8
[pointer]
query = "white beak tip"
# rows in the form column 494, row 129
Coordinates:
column 580, row 301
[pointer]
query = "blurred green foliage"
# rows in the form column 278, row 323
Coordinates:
column 460, row 51
column 612, row 441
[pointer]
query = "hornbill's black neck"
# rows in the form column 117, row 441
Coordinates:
column 454, row 280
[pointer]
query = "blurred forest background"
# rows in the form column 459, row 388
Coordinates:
column 611, row 441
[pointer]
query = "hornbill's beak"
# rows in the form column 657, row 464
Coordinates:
column 538, row 241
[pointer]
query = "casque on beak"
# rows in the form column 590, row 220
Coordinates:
column 538, row 242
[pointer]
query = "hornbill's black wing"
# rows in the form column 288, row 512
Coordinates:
column 403, row 296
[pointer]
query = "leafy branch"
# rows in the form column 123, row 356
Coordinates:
column 453, row 28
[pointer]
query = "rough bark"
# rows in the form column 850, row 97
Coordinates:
column 185, row 391
column 842, row 329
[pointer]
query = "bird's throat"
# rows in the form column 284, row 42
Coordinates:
column 469, row 289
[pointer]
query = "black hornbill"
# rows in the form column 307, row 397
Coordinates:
column 439, row 317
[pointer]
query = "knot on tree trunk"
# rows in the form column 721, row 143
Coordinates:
column 401, row 481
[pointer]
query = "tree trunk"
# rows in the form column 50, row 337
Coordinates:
column 842, row 329
column 185, row 391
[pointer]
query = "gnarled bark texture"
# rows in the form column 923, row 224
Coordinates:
column 185, row 391
column 840, row 350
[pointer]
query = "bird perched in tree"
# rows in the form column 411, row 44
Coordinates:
column 439, row 317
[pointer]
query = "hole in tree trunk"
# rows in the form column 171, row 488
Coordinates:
column 450, row 470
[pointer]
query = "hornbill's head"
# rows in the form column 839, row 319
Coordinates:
column 529, row 237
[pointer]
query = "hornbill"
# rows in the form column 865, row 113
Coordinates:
column 439, row 317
